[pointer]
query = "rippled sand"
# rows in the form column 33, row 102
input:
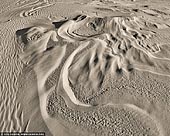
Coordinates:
column 85, row 68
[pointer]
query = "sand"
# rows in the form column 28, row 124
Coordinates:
column 85, row 68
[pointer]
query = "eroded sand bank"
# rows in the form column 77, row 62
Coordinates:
column 91, row 68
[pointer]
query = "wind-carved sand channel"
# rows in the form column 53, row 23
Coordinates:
column 108, row 46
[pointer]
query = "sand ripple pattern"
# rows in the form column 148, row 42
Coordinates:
column 31, row 8
column 11, row 113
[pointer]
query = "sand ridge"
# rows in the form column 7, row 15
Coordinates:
column 123, row 38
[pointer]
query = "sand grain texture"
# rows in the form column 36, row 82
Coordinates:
column 85, row 68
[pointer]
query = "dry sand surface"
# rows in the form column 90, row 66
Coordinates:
column 85, row 67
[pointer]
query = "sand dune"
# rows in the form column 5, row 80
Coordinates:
column 85, row 68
